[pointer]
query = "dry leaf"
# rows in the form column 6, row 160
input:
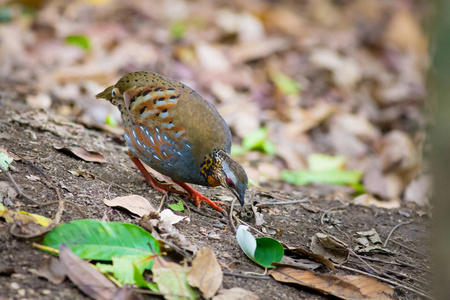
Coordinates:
column 329, row 247
column 7, row 192
column 235, row 294
column 344, row 287
column 369, row 200
column 134, row 203
column 82, row 153
column 168, row 216
column 205, row 273
column 85, row 276
column 52, row 269
column 316, row 257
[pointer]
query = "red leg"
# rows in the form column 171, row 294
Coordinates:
column 198, row 197
column 159, row 186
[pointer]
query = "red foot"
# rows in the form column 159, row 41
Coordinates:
column 156, row 185
column 198, row 198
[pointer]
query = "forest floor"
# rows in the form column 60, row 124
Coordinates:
column 33, row 135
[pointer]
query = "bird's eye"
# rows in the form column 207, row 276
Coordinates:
column 230, row 183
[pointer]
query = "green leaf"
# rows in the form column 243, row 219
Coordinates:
column 238, row 150
column 178, row 29
column 303, row 177
column 172, row 280
column 96, row 240
column 79, row 41
column 140, row 281
column 257, row 140
column 177, row 207
column 123, row 267
column 111, row 121
column 268, row 147
column 286, row 84
column 263, row 251
column 323, row 162
column 5, row 161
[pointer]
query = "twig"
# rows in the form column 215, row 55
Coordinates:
column 392, row 231
column 165, row 196
column 60, row 201
column 77, row 208
column 410, row 249
column 230, row 216
column 261, row 233
column 109, row 182
column 412, row 266
column 330, row 210
column 286, row 202
column 397, row 284
column 364, row 262
column 18, row 189
column 265, row 277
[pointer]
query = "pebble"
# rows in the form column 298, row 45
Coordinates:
column 15, row 285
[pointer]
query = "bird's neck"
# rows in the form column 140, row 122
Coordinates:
column 213, row 165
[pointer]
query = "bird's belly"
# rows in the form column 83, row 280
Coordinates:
column 181, row 166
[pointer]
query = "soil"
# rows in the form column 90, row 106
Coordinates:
column 291, row 224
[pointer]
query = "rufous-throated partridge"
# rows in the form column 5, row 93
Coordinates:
column 176, row 132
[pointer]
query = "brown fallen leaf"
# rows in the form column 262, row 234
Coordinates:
column 52, row 269
column 85, row 276
column 163, row 230
column 369, row 200
column 80, row 152
column 235, row 293
column 7, row 193
column 205, row 273
column 134, row 203
column 345, row 287
column 329, row 247
column 26, row 225
column 317, row 257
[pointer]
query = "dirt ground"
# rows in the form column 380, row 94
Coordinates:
column 33, row 135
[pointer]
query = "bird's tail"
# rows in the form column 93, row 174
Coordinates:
column 106, row 94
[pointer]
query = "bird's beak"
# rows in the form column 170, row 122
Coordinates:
column 241, row 197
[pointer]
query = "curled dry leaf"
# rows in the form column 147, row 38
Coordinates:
column 316, row 257
column 330, row 247
column 26, row 225
column 82, row 153
column 168, row 216
column 52, row 269
column 134, row 203
column 7, row 193
column 85, row 276
column 205, row 273
column 344, row 287
column 236, row 293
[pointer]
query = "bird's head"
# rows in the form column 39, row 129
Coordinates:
column 233, row 177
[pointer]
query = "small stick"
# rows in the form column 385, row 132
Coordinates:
column 18, row 189
column 286, row 202
column 364, row 262
column 410, row 249
column 386, row 280
column 330, row 210
column 265, row 277
column 230, row 216
column 77, row 208
column 261, row 233
column 392, row 231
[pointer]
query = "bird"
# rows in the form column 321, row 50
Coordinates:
column 175, row 131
